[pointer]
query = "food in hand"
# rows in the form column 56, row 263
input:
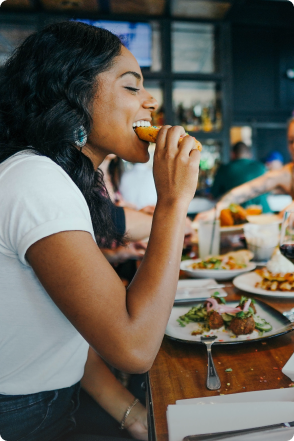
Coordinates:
column 278, row 275
column 240, row 320
column 150, row 134
column 233, row 215
column 231, row 261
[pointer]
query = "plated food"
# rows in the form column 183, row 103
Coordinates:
column 278, row 275
column 233, row 215
column 214, row 314
column 225, row 336
column 234, row 260
column 149, row 133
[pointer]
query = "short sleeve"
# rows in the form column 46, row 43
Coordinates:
column 37, row 199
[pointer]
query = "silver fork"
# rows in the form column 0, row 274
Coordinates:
column 213, row 381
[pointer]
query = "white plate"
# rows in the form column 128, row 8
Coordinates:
column 247, row 282
column 264, row 219
column 211, row 273
column 261, row 219
column 222, row 229
column 192, row 288
column 271, row 315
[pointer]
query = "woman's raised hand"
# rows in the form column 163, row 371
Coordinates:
column 176, row 166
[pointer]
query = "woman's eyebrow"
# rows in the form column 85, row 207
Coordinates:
column 135, row 74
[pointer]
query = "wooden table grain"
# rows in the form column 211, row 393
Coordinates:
column 180, row 369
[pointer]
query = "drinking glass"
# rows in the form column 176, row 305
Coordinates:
column 287, row 236
column 208, row 238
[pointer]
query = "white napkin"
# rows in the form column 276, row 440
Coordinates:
column 197, row 419
column 193, row 288
column 288, row 369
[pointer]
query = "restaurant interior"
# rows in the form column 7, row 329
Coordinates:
column 224, row 70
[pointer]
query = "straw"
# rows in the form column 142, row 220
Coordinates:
column 213, row 230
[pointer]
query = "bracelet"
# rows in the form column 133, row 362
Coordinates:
column 127, row 413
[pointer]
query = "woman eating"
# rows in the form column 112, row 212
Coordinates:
column 69, row 96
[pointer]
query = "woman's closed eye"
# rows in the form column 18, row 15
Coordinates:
column 132, row 89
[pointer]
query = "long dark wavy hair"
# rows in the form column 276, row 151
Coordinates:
column 46, row 92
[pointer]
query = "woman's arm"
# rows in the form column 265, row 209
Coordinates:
column 125, row 327
column 138, row 224
column 256, row 187
column 99, row 382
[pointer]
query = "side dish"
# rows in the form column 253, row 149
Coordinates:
column 278, row 275
column 230, row 261
column 214, row 313
column 233, row 215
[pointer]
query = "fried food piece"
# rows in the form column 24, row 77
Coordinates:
column 240, row 214
column 150, row 134
column 242, row 257
column 215, row 320
column 226, row 218
column 275, row 282
column 242, row 326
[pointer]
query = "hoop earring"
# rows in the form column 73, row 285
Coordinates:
column 80, row 137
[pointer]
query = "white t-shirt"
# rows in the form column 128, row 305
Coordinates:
column 137, row 186
column 39, row 348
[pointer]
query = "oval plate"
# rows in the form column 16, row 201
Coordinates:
column 217, row 274
column 247, row 282
column 271, row 315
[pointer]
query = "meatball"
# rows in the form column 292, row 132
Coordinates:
column 241, row 326
column 215, row 320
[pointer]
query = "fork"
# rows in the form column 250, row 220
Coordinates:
column 213, row 381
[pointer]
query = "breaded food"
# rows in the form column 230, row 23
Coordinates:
column 242, row 326
column 226, row 218
column 233, row 215
column 275, row 282
column 149, row 134
column 215, row 320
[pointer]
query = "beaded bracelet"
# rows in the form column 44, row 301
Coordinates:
column 127, row 413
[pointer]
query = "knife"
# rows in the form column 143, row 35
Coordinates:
column 230, row 434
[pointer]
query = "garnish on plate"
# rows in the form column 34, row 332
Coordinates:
column 240, row 320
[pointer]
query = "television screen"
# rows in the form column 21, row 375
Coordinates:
column 137, row 37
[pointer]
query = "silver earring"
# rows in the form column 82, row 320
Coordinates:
column 80, row 136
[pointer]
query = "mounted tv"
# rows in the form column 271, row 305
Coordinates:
column 137, row 37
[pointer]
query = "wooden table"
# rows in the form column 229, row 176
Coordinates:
column 180, row 369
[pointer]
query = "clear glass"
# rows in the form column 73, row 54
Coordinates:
column 193, row 47
column 287, row 236
column 155, row 89
column 197, row 105
column 208, row 238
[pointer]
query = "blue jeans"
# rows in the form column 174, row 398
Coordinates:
column 44, row 416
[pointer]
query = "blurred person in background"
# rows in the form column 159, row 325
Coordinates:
column 241, row 169
column 274, row 160
column 137, row 186
column 282, row 178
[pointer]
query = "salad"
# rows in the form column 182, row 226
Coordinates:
column 230, row 261
column 214, row 313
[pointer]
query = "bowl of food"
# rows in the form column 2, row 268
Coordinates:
column 262, row 240
column 220, row 267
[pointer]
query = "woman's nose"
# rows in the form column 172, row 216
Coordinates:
column 150, row 103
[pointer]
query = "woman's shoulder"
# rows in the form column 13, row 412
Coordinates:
column 26, row 167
